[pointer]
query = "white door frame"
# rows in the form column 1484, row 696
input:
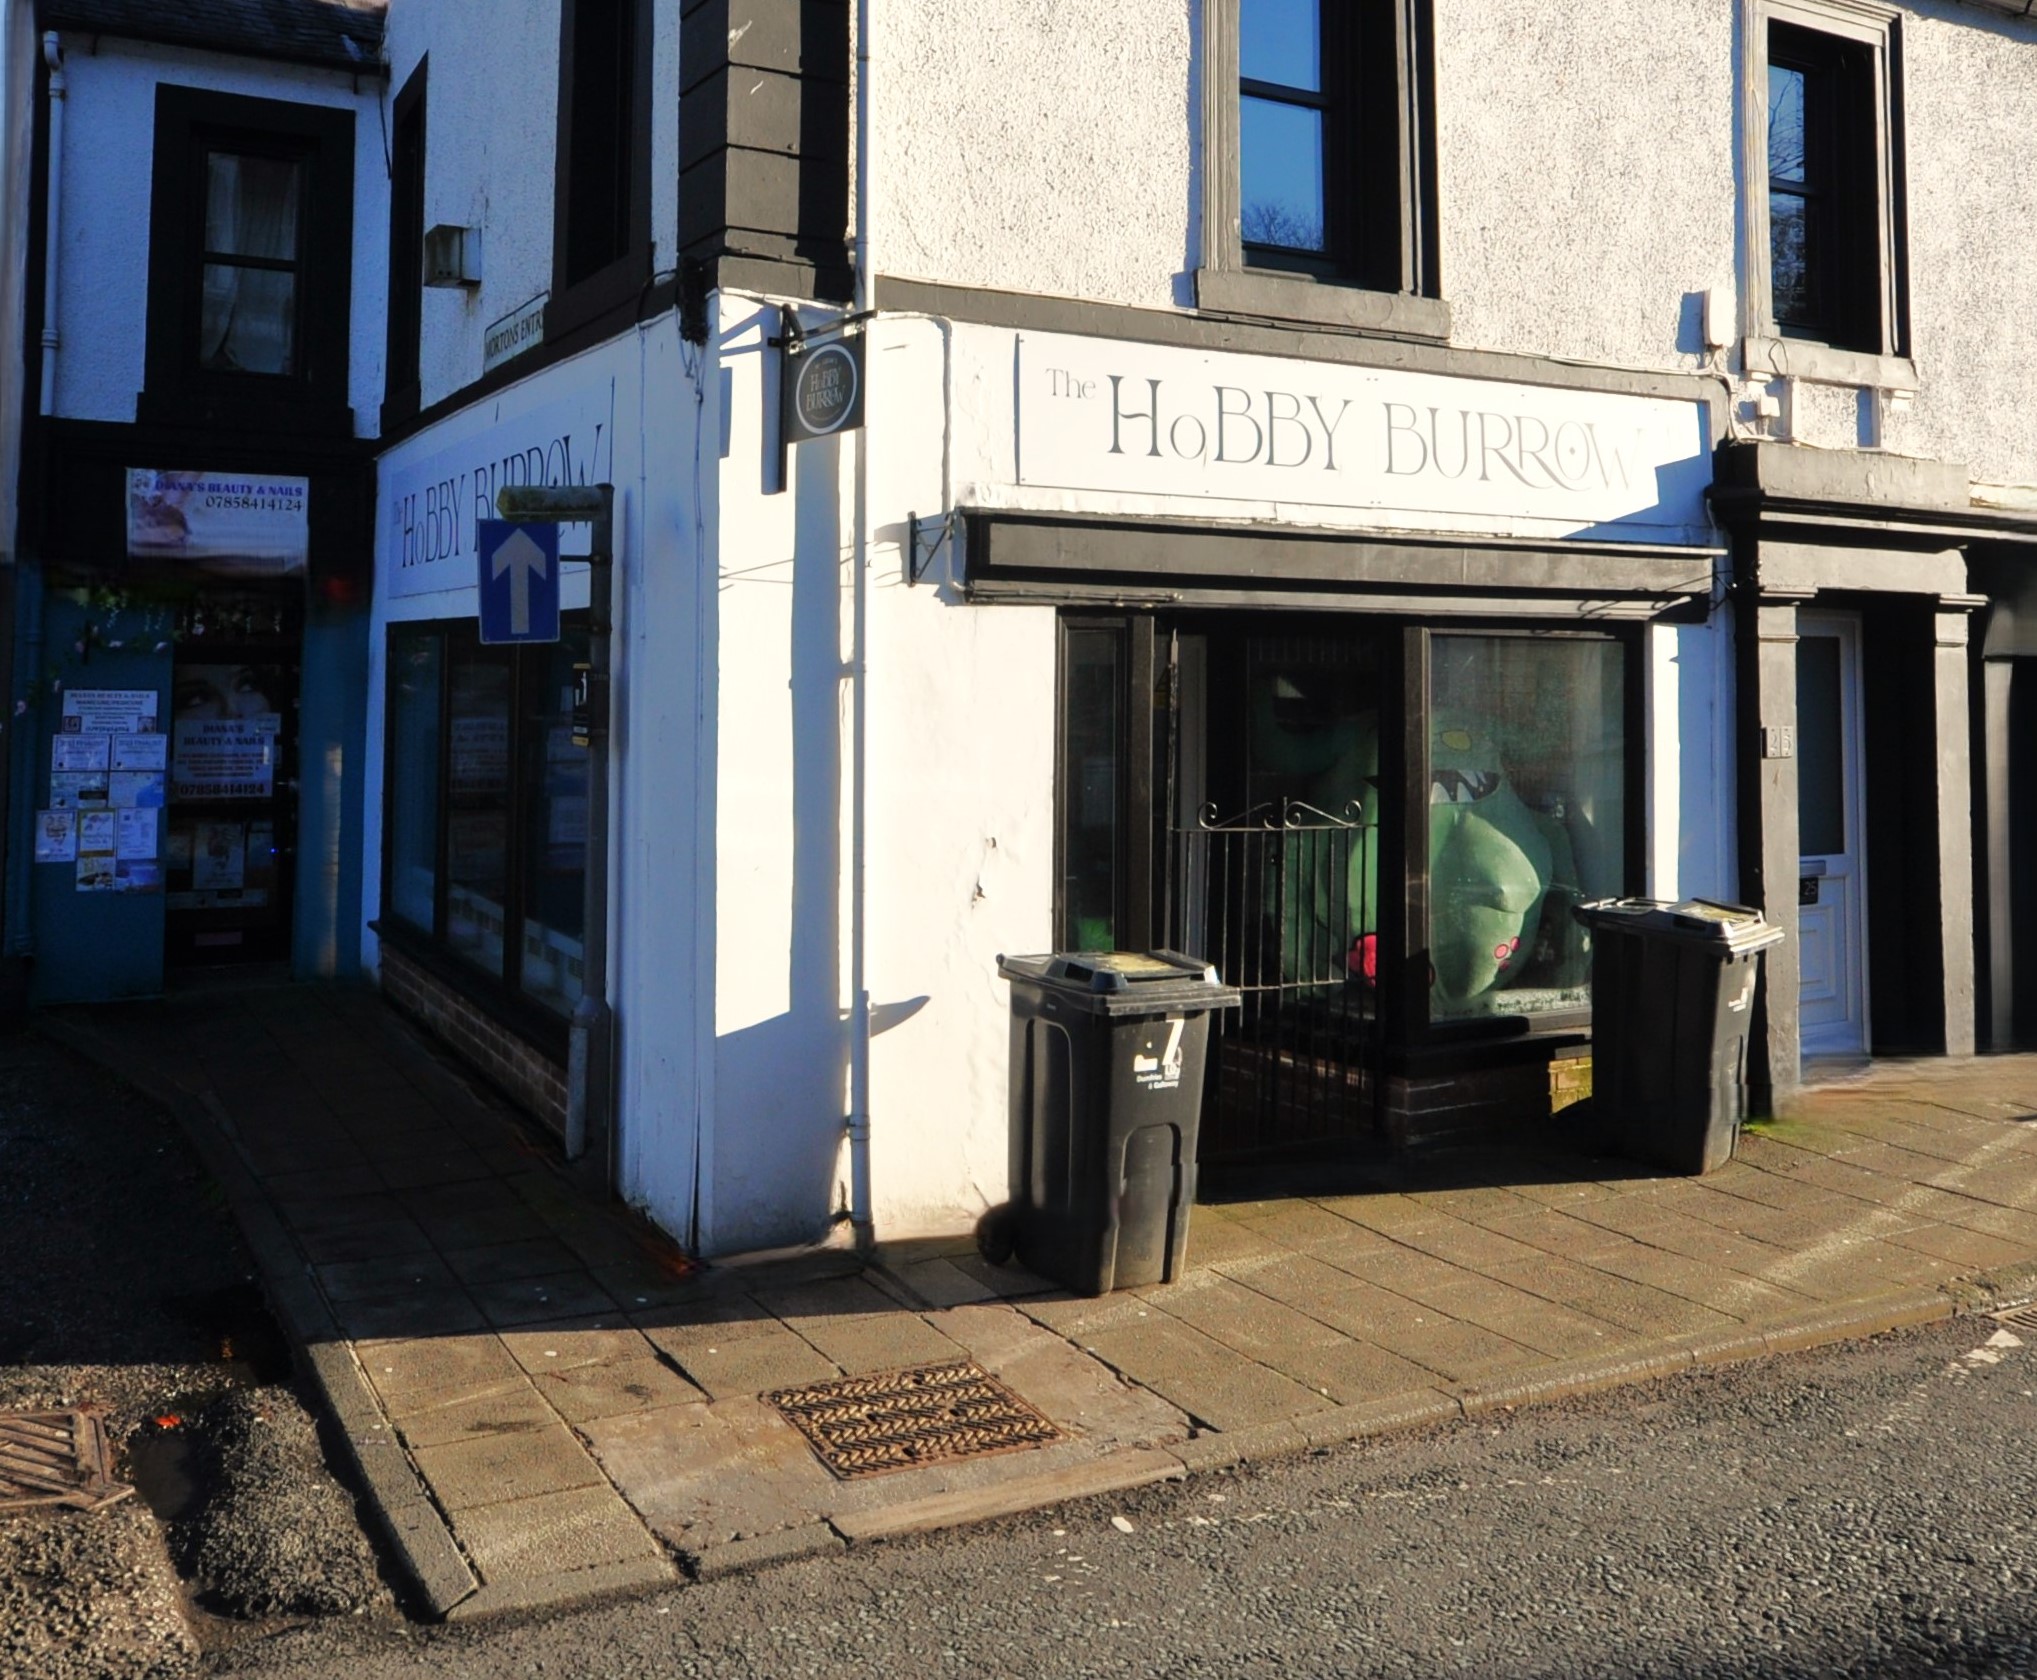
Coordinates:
column 1832, row 937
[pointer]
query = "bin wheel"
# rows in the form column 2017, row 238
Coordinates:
column 996, row 1235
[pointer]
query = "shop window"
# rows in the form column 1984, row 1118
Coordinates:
column 250, row 262
column 1527, row 795
column 486, row 823
column 601, row 206
column 401, row 391
column 1824, row 217
column 1319, row 127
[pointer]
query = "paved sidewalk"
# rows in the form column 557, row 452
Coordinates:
column 547, row 1403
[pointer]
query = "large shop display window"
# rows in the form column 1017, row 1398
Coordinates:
column 486, row 826
column 1527, row 817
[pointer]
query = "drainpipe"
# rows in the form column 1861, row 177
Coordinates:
column 859, row 674
column 588, row 1106
column 53, row 56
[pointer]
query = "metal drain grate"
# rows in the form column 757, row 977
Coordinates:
column 2023, row 1318
column 899, row 1420
column 55, row 1458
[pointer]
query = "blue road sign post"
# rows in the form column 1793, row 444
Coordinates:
column 519, row 580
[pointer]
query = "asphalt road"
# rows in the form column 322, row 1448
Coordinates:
column 1862, row 1511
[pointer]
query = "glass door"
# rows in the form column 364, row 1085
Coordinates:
column 1831, row 891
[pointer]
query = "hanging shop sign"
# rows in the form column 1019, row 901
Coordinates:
column 243, row 523
column 431, row 504
column 1403, row 450
column 822, row 391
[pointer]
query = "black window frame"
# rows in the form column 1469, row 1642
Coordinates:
column 620, row 103
column 1379, row 267
column 409, row 148
column 190, row 125
column 1145, row 784
column 501, row 995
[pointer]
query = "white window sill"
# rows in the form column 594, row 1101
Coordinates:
column 1272, row 296
column 1822, row 364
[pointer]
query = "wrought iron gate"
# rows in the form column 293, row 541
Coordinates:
column 1282, row 900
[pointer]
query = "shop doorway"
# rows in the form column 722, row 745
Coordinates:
column 231, row 826
column 1272, row 871
column 1831, row 829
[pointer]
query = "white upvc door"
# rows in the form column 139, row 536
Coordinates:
column 1831, row 812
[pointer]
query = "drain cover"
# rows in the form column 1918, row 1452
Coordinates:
column 55, row 1458
column 2023, row 1318
column 898, row 1420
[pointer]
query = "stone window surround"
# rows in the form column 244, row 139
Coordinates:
column 1224, row 284
column 1764, row 350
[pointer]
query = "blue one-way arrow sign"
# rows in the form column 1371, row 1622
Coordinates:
column 519, row 580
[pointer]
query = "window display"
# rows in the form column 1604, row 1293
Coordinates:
column 1527, row 787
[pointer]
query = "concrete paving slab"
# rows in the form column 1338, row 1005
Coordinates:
column 416, row 1375
column 533, row 1300
column 508, row 1410
column 1079, row 1393
column 442, row 1312
column 586, row 1392
column 553, row 1533
column 941, row 1283
column 1214, row 1386
column 377, row 1239
column 533, row 1257
column 1557, row 1331
column 516, row 1465
column 598, row 1339
column 740, row 1358
column 388, row 1275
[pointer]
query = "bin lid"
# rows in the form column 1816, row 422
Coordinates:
column 1126, row 982
column 1731, row 928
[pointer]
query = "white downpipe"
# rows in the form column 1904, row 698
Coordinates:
column 859, row 673
column 53, row 56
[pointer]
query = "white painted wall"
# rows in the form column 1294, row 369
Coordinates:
column 657, row 865
column 109, row 142
column 960, row 793
column 1586, row 172
column 491, row 125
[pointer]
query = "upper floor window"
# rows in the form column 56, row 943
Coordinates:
column 601, row 220
column 1825, row 206
column 248, row 292
column 250, row 263
column 1318, row 125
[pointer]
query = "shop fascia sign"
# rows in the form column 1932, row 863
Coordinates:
column 1400, row 450
column 430, row 505
column 240, row 522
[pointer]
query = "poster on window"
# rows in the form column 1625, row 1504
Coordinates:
column 108, row 711
column 218, row 856
column 56, row 836
column 77, row 790
column 141, row 752
column 223, row 743
column 244, row 523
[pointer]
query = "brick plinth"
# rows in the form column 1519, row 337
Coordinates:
column 525, row 1074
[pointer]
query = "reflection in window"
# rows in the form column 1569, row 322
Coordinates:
column 415, row 679
column 554, row 859
column 478, row 804
column 1792, row 199
column 1282, row 120
column 248, row 298
column 1527, row 817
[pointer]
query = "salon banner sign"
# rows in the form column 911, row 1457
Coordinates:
column 247, row 523
column 1382, row 446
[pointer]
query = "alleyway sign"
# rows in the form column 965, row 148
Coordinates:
column 519, row 580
